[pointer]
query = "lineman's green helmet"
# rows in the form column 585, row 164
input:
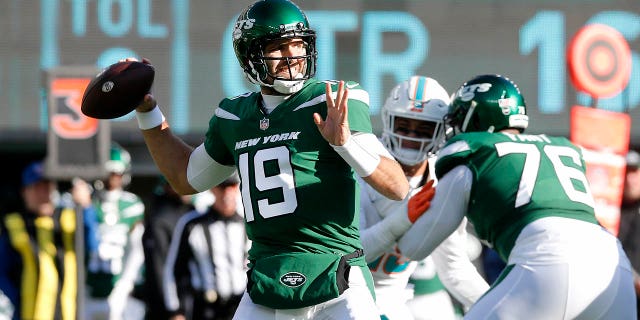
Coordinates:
column 487, row 103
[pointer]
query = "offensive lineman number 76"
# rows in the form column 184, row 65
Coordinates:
column 564, row 173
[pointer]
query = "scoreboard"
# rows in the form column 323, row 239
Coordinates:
column 375, row 42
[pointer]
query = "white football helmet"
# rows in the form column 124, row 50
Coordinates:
column 420, row 98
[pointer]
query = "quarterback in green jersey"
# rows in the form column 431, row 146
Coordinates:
column 296, row 145
column 526, row 196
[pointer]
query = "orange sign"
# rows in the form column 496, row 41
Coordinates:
column 68, row 122
column 605, row 137
column 600, row 129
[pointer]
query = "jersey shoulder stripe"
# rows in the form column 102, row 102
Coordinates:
column 238, row 107
column 224, row 114
column 453, row 154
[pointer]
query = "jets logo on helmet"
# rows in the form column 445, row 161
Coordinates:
column 467, row 93
column 242, row 25
column 419, row 98
column 486, row 103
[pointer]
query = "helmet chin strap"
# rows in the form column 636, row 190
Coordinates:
column 287, row 86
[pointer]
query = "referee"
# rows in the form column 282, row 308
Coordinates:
column 207, row 259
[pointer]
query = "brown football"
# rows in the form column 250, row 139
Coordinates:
column 117, row 90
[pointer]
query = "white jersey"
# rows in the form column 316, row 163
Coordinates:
column 390, row 270
column 388, row 267
column 382, row 222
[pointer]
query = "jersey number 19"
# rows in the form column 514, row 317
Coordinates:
column 283, row 181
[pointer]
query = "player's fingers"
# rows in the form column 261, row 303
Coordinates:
column 128, row 59
column 416, row 208
column 340, row 94
column 429, row 184
column 424, row 206
column 428, row 191
column 148, row 103
column 329, row 95
column 317, row 119
column 344, row 103
column 419, row 200
column 419, row 206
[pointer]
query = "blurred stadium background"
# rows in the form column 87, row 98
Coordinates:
column 376, row 42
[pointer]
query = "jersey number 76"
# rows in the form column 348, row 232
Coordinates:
column 564, row 173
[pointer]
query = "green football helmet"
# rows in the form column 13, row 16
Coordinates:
column 265, row 21
column 486, row 103
column 119, row 160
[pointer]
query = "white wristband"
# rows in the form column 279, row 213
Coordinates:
column 151, row 119
column 363, row 162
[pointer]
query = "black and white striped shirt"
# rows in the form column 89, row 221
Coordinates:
column 208, row 253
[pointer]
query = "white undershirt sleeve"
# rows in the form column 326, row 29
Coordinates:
column 455, row 269
column 378, row 234
column 203, row 172
column 447, row 211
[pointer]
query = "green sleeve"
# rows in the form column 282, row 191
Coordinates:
column 214, row 143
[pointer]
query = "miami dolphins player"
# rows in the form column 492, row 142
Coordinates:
column 297, row 146
column 527, row 196
column 411, row 117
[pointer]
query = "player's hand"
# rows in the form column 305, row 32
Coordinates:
column 149, row 102
column 421, row 201
column 335, row 128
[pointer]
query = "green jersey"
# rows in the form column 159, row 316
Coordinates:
column 117, row 212
column 518, row 179
column 299, row 195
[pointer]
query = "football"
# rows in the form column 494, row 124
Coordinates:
column 117, row 90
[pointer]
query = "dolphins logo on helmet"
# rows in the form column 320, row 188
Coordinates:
column 420, row 98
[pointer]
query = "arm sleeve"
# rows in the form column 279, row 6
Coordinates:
column 378, row 234
column 447, row 211
column 455, row 270
column 90, row 222
column 203, row 172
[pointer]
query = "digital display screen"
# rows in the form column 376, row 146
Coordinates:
column 377, row 43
